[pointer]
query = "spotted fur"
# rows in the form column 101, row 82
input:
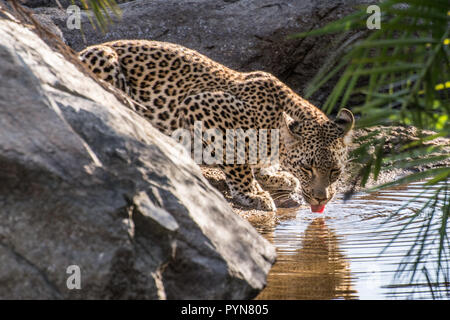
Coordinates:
column 179, row 86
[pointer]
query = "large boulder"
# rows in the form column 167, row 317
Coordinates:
column 242, row 34
column 85, row 181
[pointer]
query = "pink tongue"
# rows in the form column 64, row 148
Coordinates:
column 318, row 208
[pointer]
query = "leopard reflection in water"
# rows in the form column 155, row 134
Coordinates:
column 317, row 270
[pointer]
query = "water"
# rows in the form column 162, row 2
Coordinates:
column 344, row 253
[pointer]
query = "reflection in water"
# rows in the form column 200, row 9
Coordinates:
column 316, row 270
column 356, row 249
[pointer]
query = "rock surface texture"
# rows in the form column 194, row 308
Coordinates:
column 85, row 181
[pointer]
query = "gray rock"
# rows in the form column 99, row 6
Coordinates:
column 40, row 3
column 46, row 21
column 245, row 35
column 57, row 3
column 87, row 182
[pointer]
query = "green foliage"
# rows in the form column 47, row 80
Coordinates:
column 102, row 10
column 396, row 75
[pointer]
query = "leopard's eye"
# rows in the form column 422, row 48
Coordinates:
column 306, row 169
column 335, row 172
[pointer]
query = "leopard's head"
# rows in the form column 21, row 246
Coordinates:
column 315, row 152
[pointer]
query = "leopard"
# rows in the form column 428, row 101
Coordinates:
column 175, row 87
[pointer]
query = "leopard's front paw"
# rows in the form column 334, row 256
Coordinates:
column 265, row 202
column 288, row 182
column 281, row 180
column 260, row 201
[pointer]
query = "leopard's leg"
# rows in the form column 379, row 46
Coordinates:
column 245, row 189
column 282, row 186
column 222, row 111
column 274, row 179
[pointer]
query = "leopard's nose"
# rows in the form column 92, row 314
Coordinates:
column 321, row 200
column 320, row 196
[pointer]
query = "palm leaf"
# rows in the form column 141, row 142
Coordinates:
column 102, row 10
column 414, row 177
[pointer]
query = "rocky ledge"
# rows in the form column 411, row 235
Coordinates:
column 88, row 186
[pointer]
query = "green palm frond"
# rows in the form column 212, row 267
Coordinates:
column 102, row 12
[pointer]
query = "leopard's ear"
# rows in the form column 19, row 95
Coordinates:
column 290, row 130
column 345, row 120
